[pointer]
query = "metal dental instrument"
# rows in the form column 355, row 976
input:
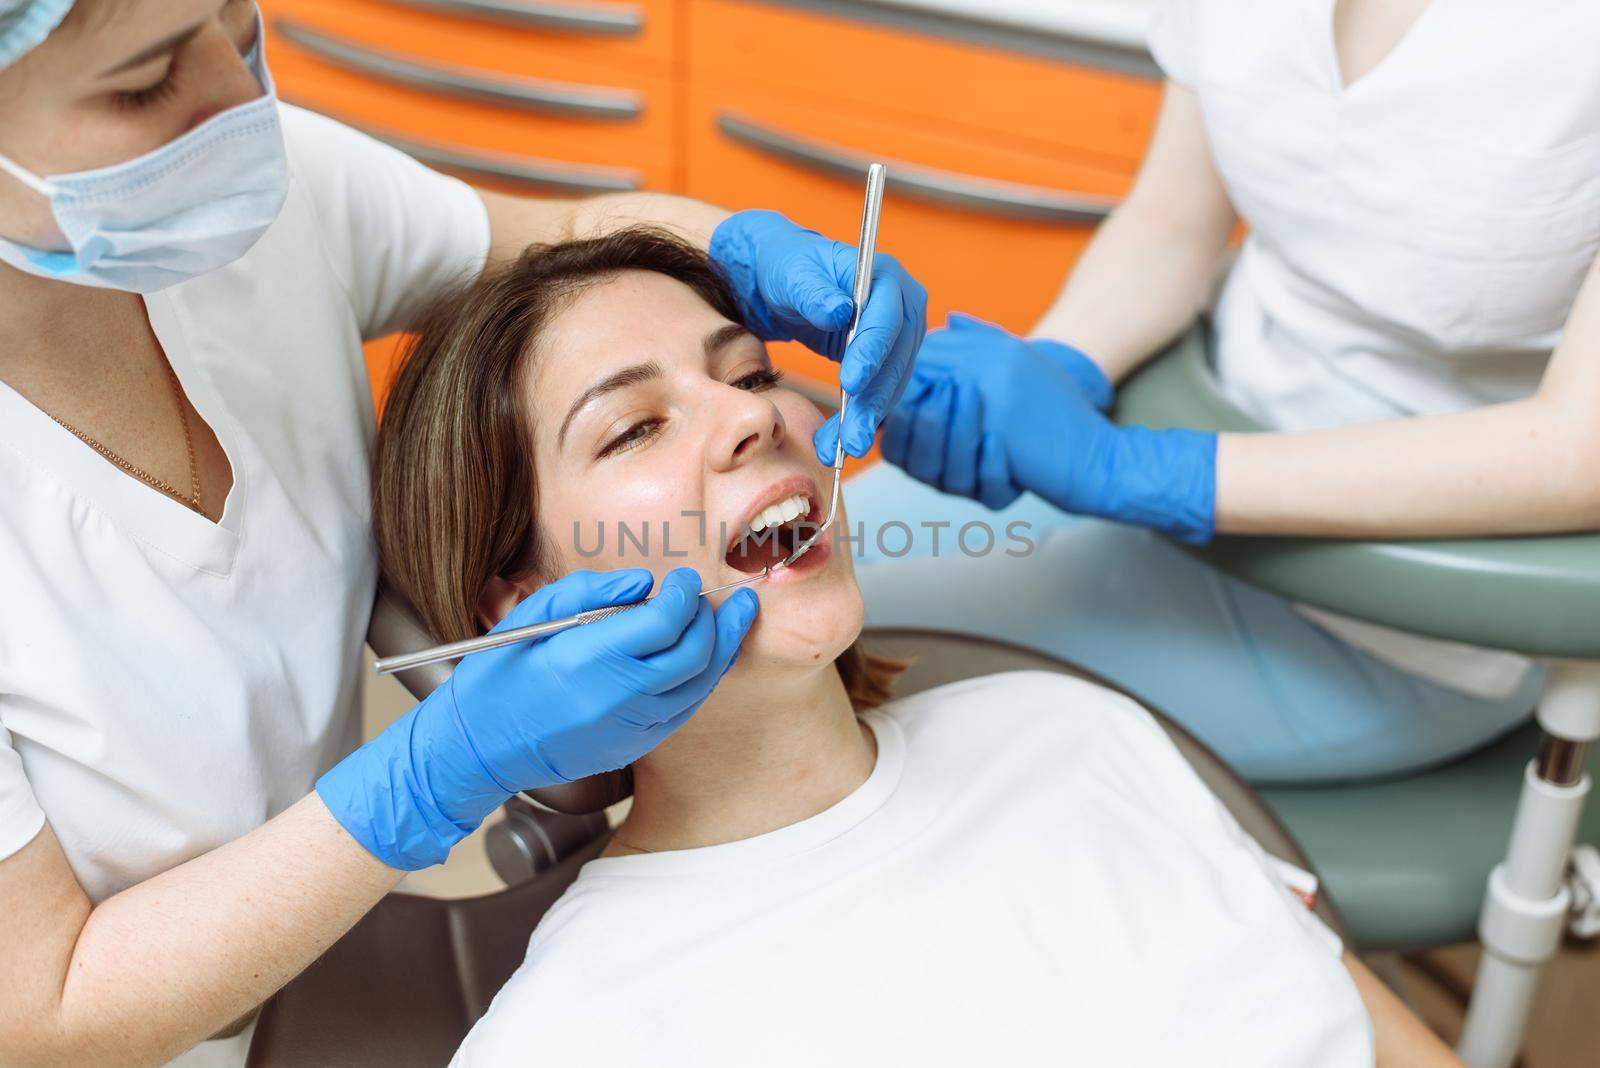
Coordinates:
column 865, row 248
column 454, row 650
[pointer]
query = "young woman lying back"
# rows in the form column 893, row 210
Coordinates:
column 999, row 871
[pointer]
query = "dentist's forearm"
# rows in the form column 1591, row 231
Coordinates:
column 1530, row 466
column 691, row 219
column 1143, row 279
column 1525, row 467
column 517, row 222
column 1150, row 267
column 171, row 961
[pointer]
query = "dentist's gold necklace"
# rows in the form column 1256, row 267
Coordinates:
column 192, row 499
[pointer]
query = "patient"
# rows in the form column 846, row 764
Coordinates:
column 1001, row 871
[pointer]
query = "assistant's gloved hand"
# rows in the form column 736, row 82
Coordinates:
column 990, row 415
column 589, row 699
column 794, row 284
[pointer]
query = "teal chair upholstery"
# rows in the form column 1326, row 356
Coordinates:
column 1538, row 596
column 1409, row 859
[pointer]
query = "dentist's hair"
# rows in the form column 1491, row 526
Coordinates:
column 454, row 497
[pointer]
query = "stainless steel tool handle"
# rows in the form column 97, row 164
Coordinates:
column 987, row 195
column 456, row 650
column 501, row 638
column 867, row 244
column 608, row 19
column 600, row 102
column 866, row 251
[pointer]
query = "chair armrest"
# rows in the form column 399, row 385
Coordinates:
column 1534, row 595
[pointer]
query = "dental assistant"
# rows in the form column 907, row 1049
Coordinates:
column 187, row 272
column 1416, row 308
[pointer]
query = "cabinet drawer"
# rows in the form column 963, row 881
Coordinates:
column 511, row 36
column 984, row 91
column 569, row 138
column 989, row 231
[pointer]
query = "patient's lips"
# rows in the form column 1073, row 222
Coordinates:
column 776, row 522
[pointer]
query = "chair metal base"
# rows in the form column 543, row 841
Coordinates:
column 1528, row 901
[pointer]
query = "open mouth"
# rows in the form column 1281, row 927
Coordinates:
column 774, row 532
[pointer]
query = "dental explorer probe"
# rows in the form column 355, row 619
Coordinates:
column 865, row 249
column 454, row 650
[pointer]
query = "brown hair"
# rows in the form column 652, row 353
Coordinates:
column 453, row 489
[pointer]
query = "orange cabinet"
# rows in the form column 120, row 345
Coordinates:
column 551, row 133
column 923, row 80
column 531, row 97
column 506, row 35
column 1000, row 163
column 989, row 230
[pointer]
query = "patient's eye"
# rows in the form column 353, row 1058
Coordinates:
column 757, row 381
column 631, row 438
column 642, row 431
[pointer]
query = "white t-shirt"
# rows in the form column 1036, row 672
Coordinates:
column 1032, row 872
column 168, row 684
column 1417, row 239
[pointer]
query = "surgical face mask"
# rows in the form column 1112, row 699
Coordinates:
column 191, row 206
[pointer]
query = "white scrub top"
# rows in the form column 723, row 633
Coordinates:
column 1032, row 874
column 1416, row 239
column 167, row 684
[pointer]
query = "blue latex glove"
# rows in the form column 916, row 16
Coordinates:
column 990, row 415
column 586, row 700
column 794, row 284
column 971, row 462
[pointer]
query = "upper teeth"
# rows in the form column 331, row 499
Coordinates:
column 785, row 510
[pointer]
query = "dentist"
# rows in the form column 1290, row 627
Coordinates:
column 1416, row 310
column 187, row 272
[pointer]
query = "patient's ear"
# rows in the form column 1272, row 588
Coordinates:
column 499, row 597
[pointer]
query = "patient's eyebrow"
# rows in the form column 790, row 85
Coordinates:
column 638, row 374
column 723, row 336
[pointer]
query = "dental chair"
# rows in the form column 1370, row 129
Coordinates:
column 404, row 986
column 1409, row 858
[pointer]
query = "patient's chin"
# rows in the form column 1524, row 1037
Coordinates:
column 800, row 631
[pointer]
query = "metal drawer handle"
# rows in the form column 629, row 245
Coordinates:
column 523, row 170
column 462, row 81
column 593, row 18
column 540, row 175
column 945, row 187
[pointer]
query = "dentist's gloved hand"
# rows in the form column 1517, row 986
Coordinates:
column 990, row 415
column 589, row 699
column 794, row 284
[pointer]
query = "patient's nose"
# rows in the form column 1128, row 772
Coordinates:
column 745, row 428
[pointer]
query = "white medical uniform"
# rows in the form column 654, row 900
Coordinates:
column 1416, row 239
column 1031, row 874
column 168, row 684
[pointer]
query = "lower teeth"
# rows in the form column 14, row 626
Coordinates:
column 767, row 548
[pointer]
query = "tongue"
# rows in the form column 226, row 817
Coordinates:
column 756, row 551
